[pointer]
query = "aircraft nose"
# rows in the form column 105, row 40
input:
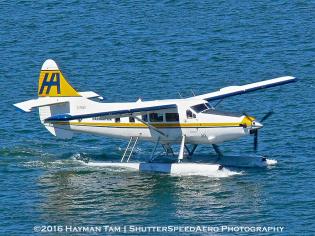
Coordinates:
column 251, row 123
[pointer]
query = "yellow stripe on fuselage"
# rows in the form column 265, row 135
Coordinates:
column 244, row 123
column 157, row 125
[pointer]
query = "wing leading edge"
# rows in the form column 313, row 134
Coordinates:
column 238, row 90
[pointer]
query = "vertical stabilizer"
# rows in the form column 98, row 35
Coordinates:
column 52, row 83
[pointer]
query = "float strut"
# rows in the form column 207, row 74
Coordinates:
column 191, row 152
column 217, row 150
column 168, row 149
column 181, row 150
column 154, row 149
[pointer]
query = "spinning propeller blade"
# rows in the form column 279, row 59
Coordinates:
column 268, row 114
column 256, row 140
column 255, row 132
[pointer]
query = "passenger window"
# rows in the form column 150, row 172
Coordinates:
column 156, row 117
column 145, row 117
column 172, row 117
column 190, row 115
column 131, row 119
column 117, row 120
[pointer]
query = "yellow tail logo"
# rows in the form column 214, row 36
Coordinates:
column 52, row 83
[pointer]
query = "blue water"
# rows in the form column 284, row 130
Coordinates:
column 155, row 49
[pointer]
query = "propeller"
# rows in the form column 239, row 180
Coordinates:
column 266, row 116
column 255, row 131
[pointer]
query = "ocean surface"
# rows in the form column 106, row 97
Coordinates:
column 154, row 50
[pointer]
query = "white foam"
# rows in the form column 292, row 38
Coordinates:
column 44, row 164
column 246, row 161
column 271, row 162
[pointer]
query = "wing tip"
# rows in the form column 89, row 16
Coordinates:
column 22, row 107
column 288, row 77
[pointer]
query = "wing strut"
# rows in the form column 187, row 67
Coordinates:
column 151, row 126
column 154, row 149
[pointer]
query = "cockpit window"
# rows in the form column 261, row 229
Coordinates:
column 221, row 113
column 190, row 115
column 200, row 108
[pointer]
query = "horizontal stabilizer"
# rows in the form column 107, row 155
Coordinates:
column 90, row 94
column 28, row 105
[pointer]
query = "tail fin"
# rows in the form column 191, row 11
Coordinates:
column 52, row 83
column 54, row 97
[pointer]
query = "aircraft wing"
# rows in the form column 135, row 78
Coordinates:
column 110, row 114
column 237, row 90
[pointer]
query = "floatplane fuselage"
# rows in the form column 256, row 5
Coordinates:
column 193, row 120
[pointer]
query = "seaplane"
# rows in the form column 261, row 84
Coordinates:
column 187, row 122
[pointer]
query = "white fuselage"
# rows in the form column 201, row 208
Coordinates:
column 200, row 127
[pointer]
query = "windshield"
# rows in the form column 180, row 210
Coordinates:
column 200, row 108
column 223, row 113
column 208, row 109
